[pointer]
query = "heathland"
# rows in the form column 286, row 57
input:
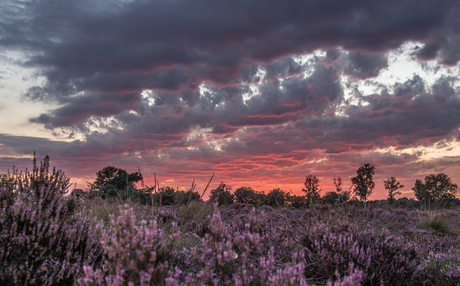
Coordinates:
column 115, row 233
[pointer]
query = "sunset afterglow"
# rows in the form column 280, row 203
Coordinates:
column 261, row 93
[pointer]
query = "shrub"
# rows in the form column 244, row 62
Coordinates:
column 330, row 250
column 237, row 258
column 439, row 269
column 136, row 254
column 277, row 197
column 245, row 195
column 42, row 240
column 221, row 195
column 437, row 224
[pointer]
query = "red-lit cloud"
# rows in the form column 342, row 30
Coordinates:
column 187, row 88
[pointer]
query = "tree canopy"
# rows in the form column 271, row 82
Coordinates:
column 111, row 180
column 312, row 189
column 392, row 185
column 363, row 183
column 435, row 189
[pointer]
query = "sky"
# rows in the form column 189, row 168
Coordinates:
column 260, row 92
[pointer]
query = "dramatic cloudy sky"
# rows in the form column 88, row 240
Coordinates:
column 261, row 92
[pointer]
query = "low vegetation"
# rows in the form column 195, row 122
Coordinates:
column 115, row 233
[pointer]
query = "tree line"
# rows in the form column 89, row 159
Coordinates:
column 111, row 182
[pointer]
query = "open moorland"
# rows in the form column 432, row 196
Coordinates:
column 114, row 233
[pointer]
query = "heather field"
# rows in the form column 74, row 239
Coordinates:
column 51, row 237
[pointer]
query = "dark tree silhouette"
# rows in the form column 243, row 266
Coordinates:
column 245, row 195
column 363, row 183
column 436, row 188
column 222, row 195
column 312, row 189
column 392, row 185
column 110, row 180
column 331, row 198
column 276, row 197
column 343, row 195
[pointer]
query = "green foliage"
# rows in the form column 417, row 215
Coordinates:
column 297, row 201
column 277, row 198
column 437, row 191
column 222, row 195
column 332, row 198
column 363, row 183
column 184, row 198
column 410, row 204
column 111, row 181
column 437, row 224
column 245, row 195
column 166, row 196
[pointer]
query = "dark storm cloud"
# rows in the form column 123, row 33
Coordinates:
column 122, row 47
column 428, row 52
column 365, row 66
column 77, row 109
column 26, row 145
column 225, row 89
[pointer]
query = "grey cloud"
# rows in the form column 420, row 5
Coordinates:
column 79, row 108
column 450, row 52
column 428, row 52
column 365, row 66
column 116, row 47
column 98, row 56
column 148, row 34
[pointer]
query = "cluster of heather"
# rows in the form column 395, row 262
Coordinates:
column 49, row 237
column 43, row 239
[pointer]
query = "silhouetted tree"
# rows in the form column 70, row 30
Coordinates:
column 276, row 197
column 166, row 196
column 312, row 189
column 245, row 195
column 436, row 188
column 222, row 195
column 331, row 198
column 297, row 201
column 343, row 195
column 363, row 183
column 392, row 186
column 111, row 181
column 261, row 199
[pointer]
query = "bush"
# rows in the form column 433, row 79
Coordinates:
column 437, row 224
column 135, row 253
column 221, row 195
column 42, row 240
column 439, row 269
column 383, row 258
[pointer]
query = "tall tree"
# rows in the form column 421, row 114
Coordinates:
column 312, row 189
column 363, row 183
column 436, row 188
column 392, row 186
